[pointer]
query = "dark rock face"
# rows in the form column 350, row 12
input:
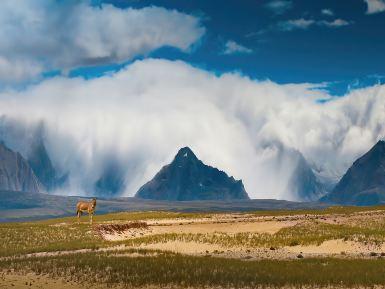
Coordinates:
column 364, row 182
column 111, row 183
column 41, row 165
column 188, row 178
column 304, row 182
column 16, row 174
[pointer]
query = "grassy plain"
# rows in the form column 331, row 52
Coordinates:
column 128, row 262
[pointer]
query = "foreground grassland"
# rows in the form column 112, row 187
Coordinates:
column 169, row 270
column 134, row 266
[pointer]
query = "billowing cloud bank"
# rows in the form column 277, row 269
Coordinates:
column 140, row 116
column 42, row 35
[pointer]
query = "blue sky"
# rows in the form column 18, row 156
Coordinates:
column 347, row 56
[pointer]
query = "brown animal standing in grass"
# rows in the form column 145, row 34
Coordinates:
column 88, row 207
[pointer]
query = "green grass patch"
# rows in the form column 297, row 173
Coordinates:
column 22, row 238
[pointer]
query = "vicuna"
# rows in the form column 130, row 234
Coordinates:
column 88, row 207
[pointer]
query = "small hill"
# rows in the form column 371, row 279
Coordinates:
column 15, row 172
column 364, row 182
column 187, row 178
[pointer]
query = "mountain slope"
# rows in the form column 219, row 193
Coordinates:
column 15, row 173
column 188, row 178
column 42, row 166
column 293, row 173
column 364, row 182
column 111, row 182
column 303, row 182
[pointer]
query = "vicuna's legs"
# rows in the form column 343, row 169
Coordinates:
column 91, row 213
column 79, row 213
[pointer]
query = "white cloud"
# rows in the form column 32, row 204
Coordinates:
column 16, row 71
column 44, row 35
column 327, row 12
column 279, row 6
column 303, row 24
column 144, row 113
column 232, row 47
column 335, row 23
column 293, row 24
column 375, row 6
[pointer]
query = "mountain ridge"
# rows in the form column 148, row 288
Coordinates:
column 364, row 182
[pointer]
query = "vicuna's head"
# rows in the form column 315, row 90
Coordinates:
column 93, row 202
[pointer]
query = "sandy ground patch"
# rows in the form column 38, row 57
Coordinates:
column 190, row 248
column 270, row 227
column 207, row 226
column 333, row 247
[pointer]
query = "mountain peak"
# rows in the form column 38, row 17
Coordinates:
column 185, row 152
column 379, row 146
column 188, row 178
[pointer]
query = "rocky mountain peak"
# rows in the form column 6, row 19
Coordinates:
column 188, row 178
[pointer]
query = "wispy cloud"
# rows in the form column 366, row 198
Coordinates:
column 335, row 23
column 327, row 12
column 232, row 47
column 375, row 6
column 279, row 6
column 293, row 24
column 303, row 24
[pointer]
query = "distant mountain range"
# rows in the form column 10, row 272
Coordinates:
column 364, row 182
column 187, row 178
